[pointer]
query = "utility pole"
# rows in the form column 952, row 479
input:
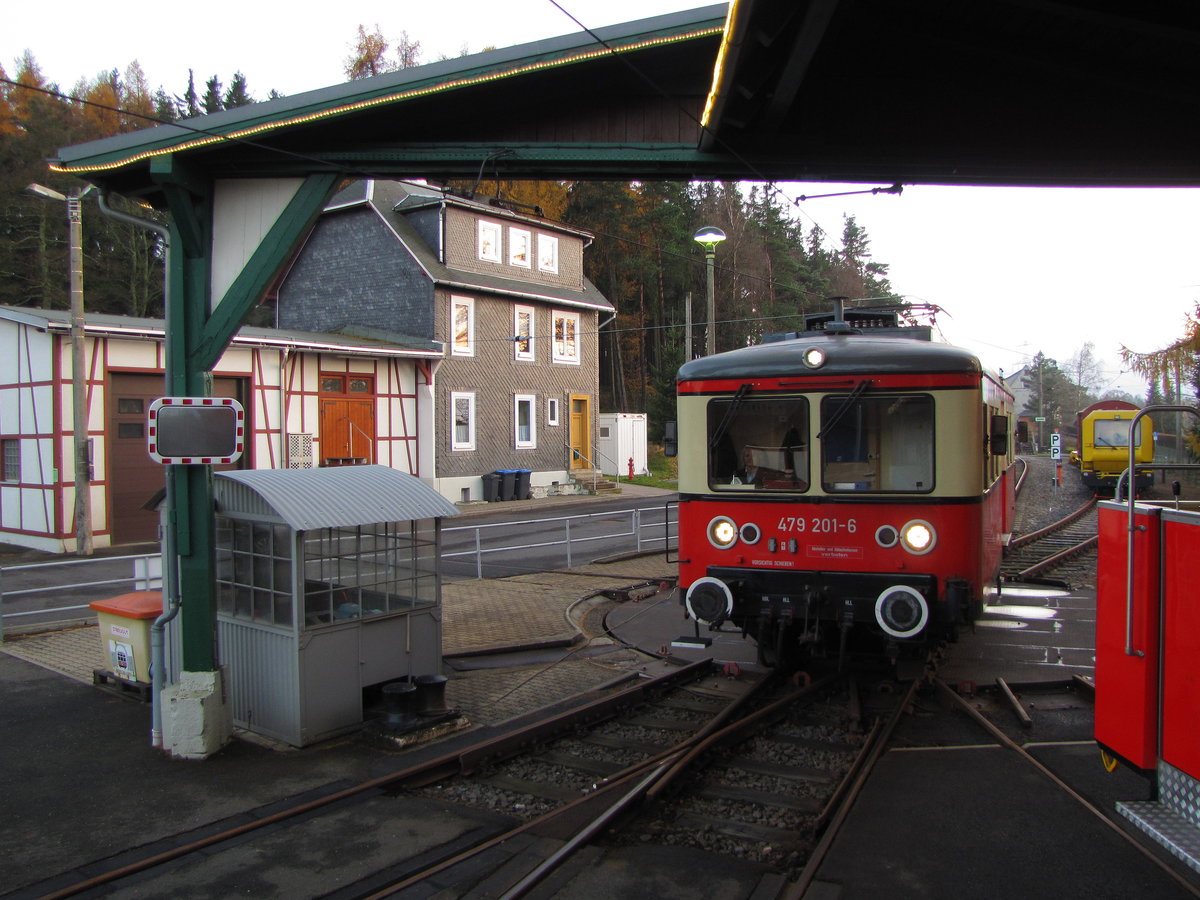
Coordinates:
column 79, row 405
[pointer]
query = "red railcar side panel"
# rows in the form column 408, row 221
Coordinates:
column 1126, row 719
column 1181, row 641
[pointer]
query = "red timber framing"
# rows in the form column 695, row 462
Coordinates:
column 277, row 381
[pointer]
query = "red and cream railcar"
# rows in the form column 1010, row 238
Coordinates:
column 841, row 485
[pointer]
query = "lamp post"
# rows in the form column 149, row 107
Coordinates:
column 708, row 237
column 79, row 412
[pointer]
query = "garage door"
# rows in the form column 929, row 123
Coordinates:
column 134, row 479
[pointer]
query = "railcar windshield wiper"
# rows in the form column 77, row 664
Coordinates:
column 844, row 408
column 730, row 412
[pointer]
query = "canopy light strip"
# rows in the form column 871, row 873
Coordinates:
column 415, row 93
column 719, row 65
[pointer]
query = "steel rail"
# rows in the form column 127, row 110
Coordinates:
column 1008, row 742
column 1052, row 561
column 797, row 889
column 456, row 761
column 1053, row 526
column 659, row 762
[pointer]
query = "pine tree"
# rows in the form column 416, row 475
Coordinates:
column 189, row 103
column 165, row 109
column 211, row 101
column 238, row 94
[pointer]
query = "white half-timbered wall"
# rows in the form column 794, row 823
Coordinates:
column 283, row 390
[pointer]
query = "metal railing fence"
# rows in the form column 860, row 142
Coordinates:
column 645, row 528
column 145, row 574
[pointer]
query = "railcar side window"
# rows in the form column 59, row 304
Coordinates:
column 877, row 443
column 758, row 444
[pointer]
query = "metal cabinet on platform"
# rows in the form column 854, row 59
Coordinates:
column 327, row 583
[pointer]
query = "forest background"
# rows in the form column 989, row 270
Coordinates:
column 770, row 271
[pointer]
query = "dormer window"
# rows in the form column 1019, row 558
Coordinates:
column 489, row 241
column 547, row 254
column 520, row 248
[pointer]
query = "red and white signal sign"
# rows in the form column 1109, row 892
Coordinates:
column 196, row 430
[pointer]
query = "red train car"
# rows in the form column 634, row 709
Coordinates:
column 842, row 486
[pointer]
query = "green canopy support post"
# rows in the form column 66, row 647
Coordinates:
column 198, row 331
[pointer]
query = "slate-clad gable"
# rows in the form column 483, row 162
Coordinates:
column 353, row 271
column 427, row 223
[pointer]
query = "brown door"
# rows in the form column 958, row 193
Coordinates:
column 347, row 432
column 580, row 436
column 134, row 478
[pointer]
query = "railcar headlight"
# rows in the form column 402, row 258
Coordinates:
column 750, row 533
column 886, row 536
column 722, row 532
column 709, row 600
column 901, row 611
column 918, row 537
column 814, row 357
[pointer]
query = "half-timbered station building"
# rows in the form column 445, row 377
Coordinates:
column 301, row 392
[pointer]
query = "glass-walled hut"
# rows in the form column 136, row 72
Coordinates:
column 327, row 583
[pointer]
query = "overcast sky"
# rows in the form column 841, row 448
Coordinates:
column 1016, row 270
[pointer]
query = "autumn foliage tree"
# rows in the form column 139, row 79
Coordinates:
column 770, row 271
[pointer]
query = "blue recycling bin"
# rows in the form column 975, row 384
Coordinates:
column 508, row 483
column 521, row 490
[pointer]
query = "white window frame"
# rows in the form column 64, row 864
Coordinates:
column 552, row 411
column 547, row 246
column 564, row 351
column 529, row 401
column 520, row 239
column 455, row 443
column 529, row 353
column 457, row 349
column 490, row 237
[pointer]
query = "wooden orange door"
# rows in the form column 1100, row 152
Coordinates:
column 580, row 428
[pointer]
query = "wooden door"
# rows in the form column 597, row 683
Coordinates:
column 580, row 432
column 347, row 431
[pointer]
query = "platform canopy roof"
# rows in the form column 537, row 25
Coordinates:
column 337, row 497
column 987, row 92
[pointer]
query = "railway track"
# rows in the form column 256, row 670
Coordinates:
column 1065, row 548
column 743, row 770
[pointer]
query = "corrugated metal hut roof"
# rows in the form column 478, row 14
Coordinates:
column 333, row 497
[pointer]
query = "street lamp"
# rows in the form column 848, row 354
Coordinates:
column 708, row 237
column 79, row 414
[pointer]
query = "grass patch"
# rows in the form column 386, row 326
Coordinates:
column 664, row 473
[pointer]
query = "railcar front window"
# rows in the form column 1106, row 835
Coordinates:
column 758, row 444
column 877, row 443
